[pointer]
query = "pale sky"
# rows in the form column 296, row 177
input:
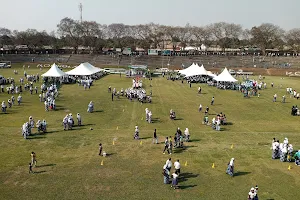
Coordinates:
column 46, row 14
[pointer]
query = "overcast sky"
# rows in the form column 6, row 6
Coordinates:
column 46, row 14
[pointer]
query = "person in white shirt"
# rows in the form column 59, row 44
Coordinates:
column 187, row 134
column 177, row 167
column 175, row 180
column 274, row 97
column 230, row 168
column 19, row 99
column 275, row 148
column 286, row 141
column 251, row 194
column 169, row 164
column 200, row 108
column 150, row 117
column 78, row 119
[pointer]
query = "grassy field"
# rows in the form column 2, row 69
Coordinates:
column 69, row 165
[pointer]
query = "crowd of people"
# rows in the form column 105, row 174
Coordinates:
column 283, row 151
column 27, row 127
column 68, row 121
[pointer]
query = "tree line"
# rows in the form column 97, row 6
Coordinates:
column 96, row 36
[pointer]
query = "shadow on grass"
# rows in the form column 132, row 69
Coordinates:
column 39, row 172
column 180, row 150
column 110, row 154
column 46, row 165
column 35, row 138
column 145, row 138
column 178, row 119
column 86, row 125
column 195, row 140
column 228, row 124
column 241, row 173
column 96, row 111
column 155, row 120
column 186, row 186
column 185, row 176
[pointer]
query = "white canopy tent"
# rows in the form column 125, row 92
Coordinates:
column 197, row 71
column 190, row 69
column 209, row 73
column 54, row 71
column 225, row 76
column 84, row 69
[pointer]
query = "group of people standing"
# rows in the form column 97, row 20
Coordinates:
column 68, row 121
column 283, row 151
column 167, row 173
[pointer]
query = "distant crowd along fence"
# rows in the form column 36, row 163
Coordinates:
column 292, row 73
column 49, row 65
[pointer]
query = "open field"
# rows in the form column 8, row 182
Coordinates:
column 69, row 165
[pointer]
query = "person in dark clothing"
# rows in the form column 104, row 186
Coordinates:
column 166, row 146
column 190, row 84
column 30, row 168
column 112, row 96
column 100, row 149
column 155, row 137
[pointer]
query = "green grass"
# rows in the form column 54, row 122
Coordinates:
column 69, row 162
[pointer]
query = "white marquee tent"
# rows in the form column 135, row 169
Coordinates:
column 84, row 69
column 209, row 73
column 196, row 71
column 54, row 71
column 225, row 76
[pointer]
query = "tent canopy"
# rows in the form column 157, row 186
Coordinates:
column 190, row 68
column 54, row 71
column 225, row 76
column 84, row 69
column 196, row 71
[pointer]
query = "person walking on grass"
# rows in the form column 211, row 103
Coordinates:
column 166, row 146
column 169, row 164
column 200, row 108
column 155, row 137
column 33, row 159
column 175, row 180
column 30, row 168
column 100, row 149
column 274, row 97
column 177, row 167
column 212, row 101
column 170, row 145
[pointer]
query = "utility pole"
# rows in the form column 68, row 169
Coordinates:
column 80, row 10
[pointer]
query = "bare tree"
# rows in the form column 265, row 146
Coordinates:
column 226, row 34
column 72, row 31
column 266, row 36
column 292, row 38
column 201, row 35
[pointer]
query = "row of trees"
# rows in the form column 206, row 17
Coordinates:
column 96, row 36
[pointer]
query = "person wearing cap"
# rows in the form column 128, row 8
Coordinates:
column 230, row 168
column 297, row 158
column 251, row 194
